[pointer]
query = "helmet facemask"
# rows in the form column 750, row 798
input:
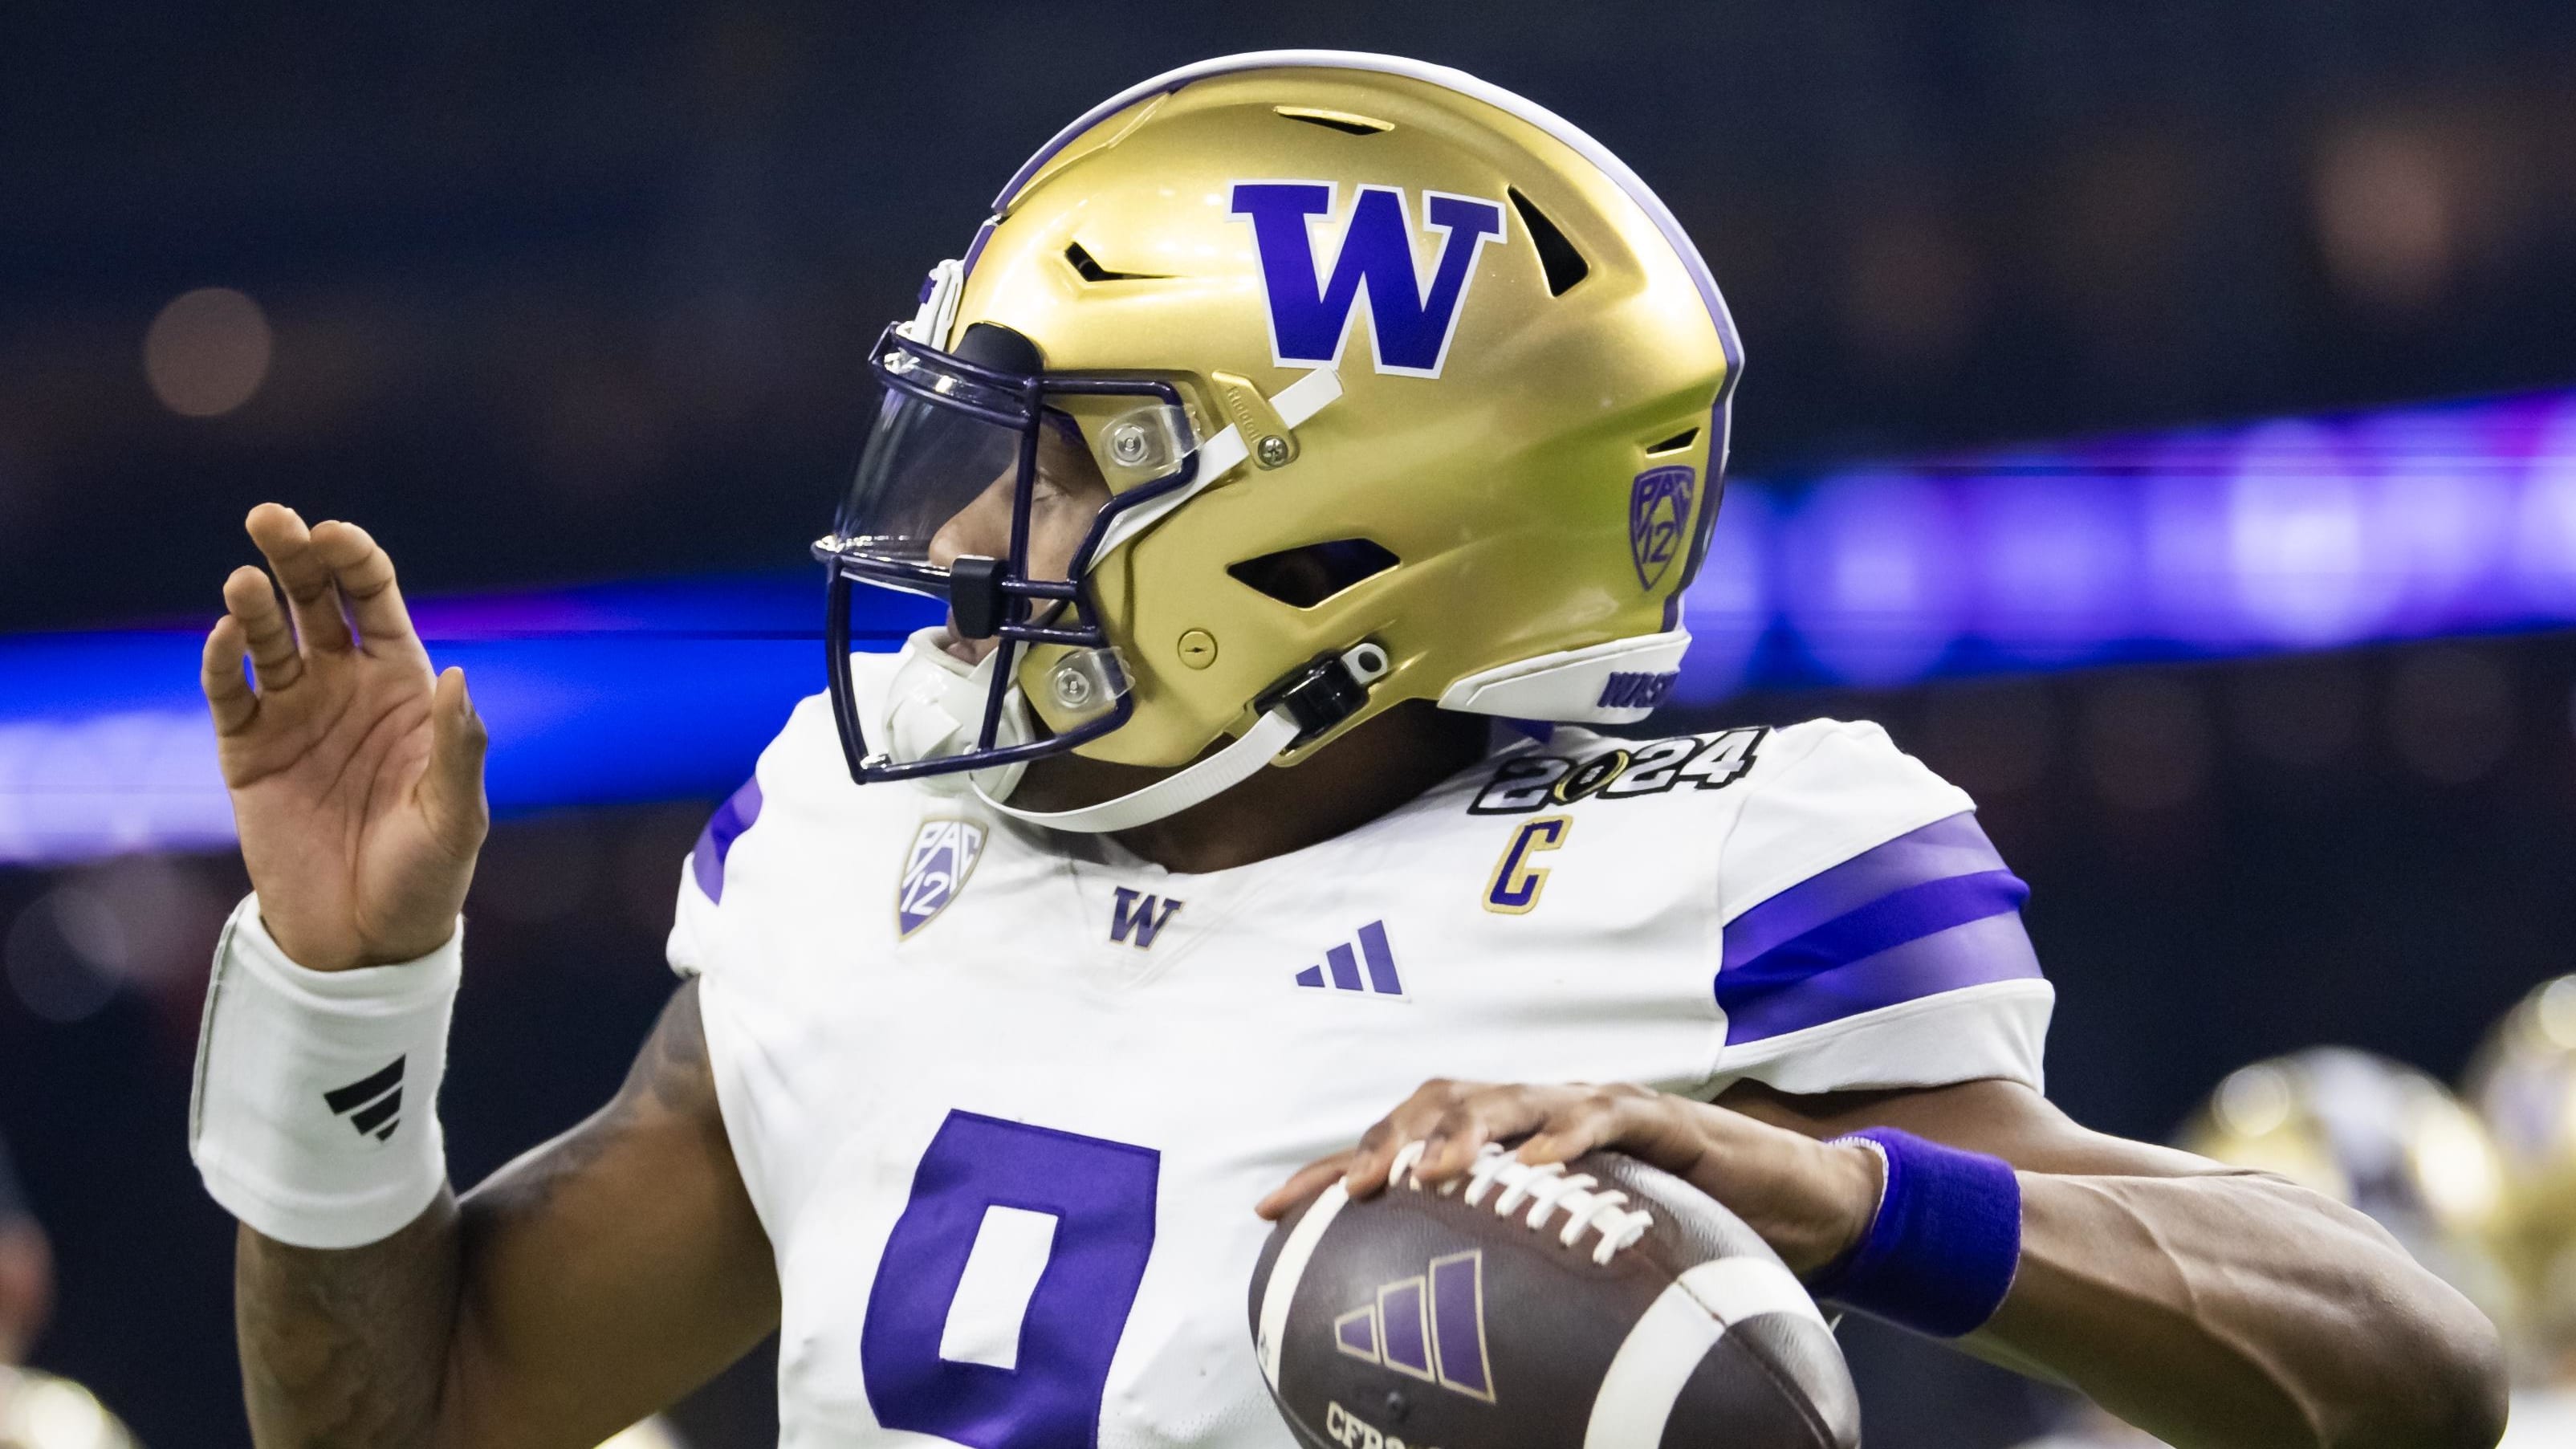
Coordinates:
column 972, row 443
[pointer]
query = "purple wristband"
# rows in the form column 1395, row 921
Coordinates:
column 1941, row 1253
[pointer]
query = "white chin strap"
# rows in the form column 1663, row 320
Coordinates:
column 1268, row 739
column 931, row 706
column 1265, row 741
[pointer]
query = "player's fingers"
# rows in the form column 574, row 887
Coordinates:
column 1643, row 1123
column 1408, row 1123
column 228, row 692
column 1304, row 1183
column 451, row 789
column 288, row 546
column 253, row 603
column 365, row 574
column 1488, row 1116
column 1571, row 1130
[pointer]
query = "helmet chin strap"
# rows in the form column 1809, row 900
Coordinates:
column 1327, row 690
column 1174, row 793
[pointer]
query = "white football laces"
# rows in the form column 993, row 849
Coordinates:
column 1546, row 1188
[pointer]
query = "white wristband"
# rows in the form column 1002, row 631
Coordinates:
column 315, row 1115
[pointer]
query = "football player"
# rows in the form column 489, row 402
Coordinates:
column 1310, row 450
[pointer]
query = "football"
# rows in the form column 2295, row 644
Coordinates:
column 1603, row 1304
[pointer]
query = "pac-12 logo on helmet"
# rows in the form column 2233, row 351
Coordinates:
column 1373, row 272
column 1659, row 505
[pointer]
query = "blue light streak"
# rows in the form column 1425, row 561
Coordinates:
column 2287, row 535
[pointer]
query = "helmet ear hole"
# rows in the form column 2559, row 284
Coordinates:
column 1304, row 577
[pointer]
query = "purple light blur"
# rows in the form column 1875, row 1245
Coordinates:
column 2304, row 533
column 2299, row 534
column 1869, row 575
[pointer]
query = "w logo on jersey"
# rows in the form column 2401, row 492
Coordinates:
column 1430, row 1326
column 1142, row 917
column 1372, row 271
column 944, row 853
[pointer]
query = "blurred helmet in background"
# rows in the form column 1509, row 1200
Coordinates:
column 2522, row 1082
column 40, row 1411
column 652, row 1433
column 2376, row 1135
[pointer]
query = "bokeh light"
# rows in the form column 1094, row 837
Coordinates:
column 207, row 352
column 2386, row 217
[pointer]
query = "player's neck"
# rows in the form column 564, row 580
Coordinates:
column 1374, row 769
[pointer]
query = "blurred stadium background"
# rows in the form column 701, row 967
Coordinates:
column 2161, row 416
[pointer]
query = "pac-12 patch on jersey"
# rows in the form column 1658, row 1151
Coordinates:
column 944, row 853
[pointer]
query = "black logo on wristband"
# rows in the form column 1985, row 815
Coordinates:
column 373, row 1104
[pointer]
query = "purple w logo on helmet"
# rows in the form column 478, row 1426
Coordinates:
column 1373, row 271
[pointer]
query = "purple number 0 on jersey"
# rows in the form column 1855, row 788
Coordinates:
column 1101, row 1195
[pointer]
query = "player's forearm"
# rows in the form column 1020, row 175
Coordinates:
column 2228, row 1310
column 348, row 1347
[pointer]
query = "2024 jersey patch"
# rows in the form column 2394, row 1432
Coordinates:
column 1529, row 783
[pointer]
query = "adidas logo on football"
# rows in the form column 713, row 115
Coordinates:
column 1430, row 1326
column 1341, row 971
column 373, row 1103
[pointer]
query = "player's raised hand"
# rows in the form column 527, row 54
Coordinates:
column 356, row 774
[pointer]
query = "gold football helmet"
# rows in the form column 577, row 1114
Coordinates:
column 2523, row 1082
column 1400, row 388
column 2376, row 1135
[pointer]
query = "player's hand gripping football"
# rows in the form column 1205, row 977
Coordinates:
column 356, row 774
column 1811, row 1201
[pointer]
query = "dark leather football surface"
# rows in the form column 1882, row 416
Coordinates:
column 1420, row 1320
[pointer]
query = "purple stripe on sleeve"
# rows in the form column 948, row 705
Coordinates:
column 1954, row 846
column 1890, row 921
column 1931, row 911
column 715, row 842
column 1995, row 948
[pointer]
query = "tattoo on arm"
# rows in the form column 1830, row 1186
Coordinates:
column 343, row 1347
column 351, row 1347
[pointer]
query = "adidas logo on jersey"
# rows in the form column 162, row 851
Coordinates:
column 1429, row 1326
column 1341, row 968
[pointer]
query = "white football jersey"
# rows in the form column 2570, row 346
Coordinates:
column 1004, row 1099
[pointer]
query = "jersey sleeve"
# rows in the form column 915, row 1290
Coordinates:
column 1871, row 936
column 702, row 878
